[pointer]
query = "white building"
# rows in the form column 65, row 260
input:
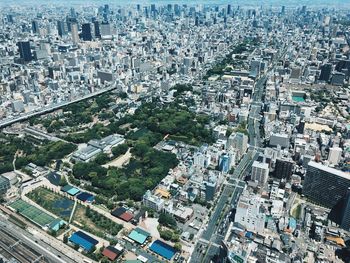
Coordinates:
column 260, row 172
column 153, row 201
column 250, row 213
column 334, row 155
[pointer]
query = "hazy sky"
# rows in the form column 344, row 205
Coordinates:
column 323, row 3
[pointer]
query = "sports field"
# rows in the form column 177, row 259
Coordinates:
column 32, row 213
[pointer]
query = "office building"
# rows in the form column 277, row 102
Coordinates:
column 325, row 185
column 74, row 33
column 17, row 106
column 279, row 139
column 60, row 28
column 24, row 50
column 326, row 72
column 35, row 26
column 238, row 141
column 97, row 29
column 334, row 155
column 284, row 169
column 345, row 218
column 249, row 212
column 260, row 172
column 86, row 32
column 105, row 29
column 224, row 163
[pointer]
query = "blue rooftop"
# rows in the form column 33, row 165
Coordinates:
column 163, row 249
column 83, row 240
column 85, row 197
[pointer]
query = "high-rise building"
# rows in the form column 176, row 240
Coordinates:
column 97, row 29
column 326, row 71
column 345, row 218
column 229, row 9
column 105, row 29
column 284, row 169
column 74, row 33
column 224, row 163
column 283, row 10
column 325, row 185
column 60, row 28
column 24, row 50
column 334, row 155
column 86, row 32
column 35, row 26
column 260, row 172
column 238, row 141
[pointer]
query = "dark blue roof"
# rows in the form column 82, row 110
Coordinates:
column 83, row 196
column 118, row 211
column 83, row 240
column 163, row 249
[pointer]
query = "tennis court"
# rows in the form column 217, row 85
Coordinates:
column 32, row 213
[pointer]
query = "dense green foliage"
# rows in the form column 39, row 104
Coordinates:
column 9, row 146
column 180, row 123
column 120, row 150
column 167, row 220
column 168, row 234
column 45, row 154
column 144, row 171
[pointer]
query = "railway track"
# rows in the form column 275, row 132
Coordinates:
column 13, row 247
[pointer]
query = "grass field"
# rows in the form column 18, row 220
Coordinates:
column 53, row 202
column 32, row 213
column 84, row 217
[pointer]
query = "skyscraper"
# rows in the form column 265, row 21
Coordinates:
column 86, row 32
column 105, row 29
column 229, row 10
column 35, row 26
column 24, row 50
column 75, row 35
column 325, row 185
column 224, row 163
column 326, row 72
column 60, row 28
column 345, row 219
column 97, row 29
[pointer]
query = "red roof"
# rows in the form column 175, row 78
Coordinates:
column 109, row 254
column 126, row 216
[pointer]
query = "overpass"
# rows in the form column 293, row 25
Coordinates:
column 26, row 116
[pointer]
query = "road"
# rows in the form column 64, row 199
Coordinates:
column 210, row 241
column 49, row 252
column 254, row 118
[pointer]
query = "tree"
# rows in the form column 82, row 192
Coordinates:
column 120, row 149
column 101, row 158
column 65, row 239
column 167, row 220
column 63, row 181
column 178, row 246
